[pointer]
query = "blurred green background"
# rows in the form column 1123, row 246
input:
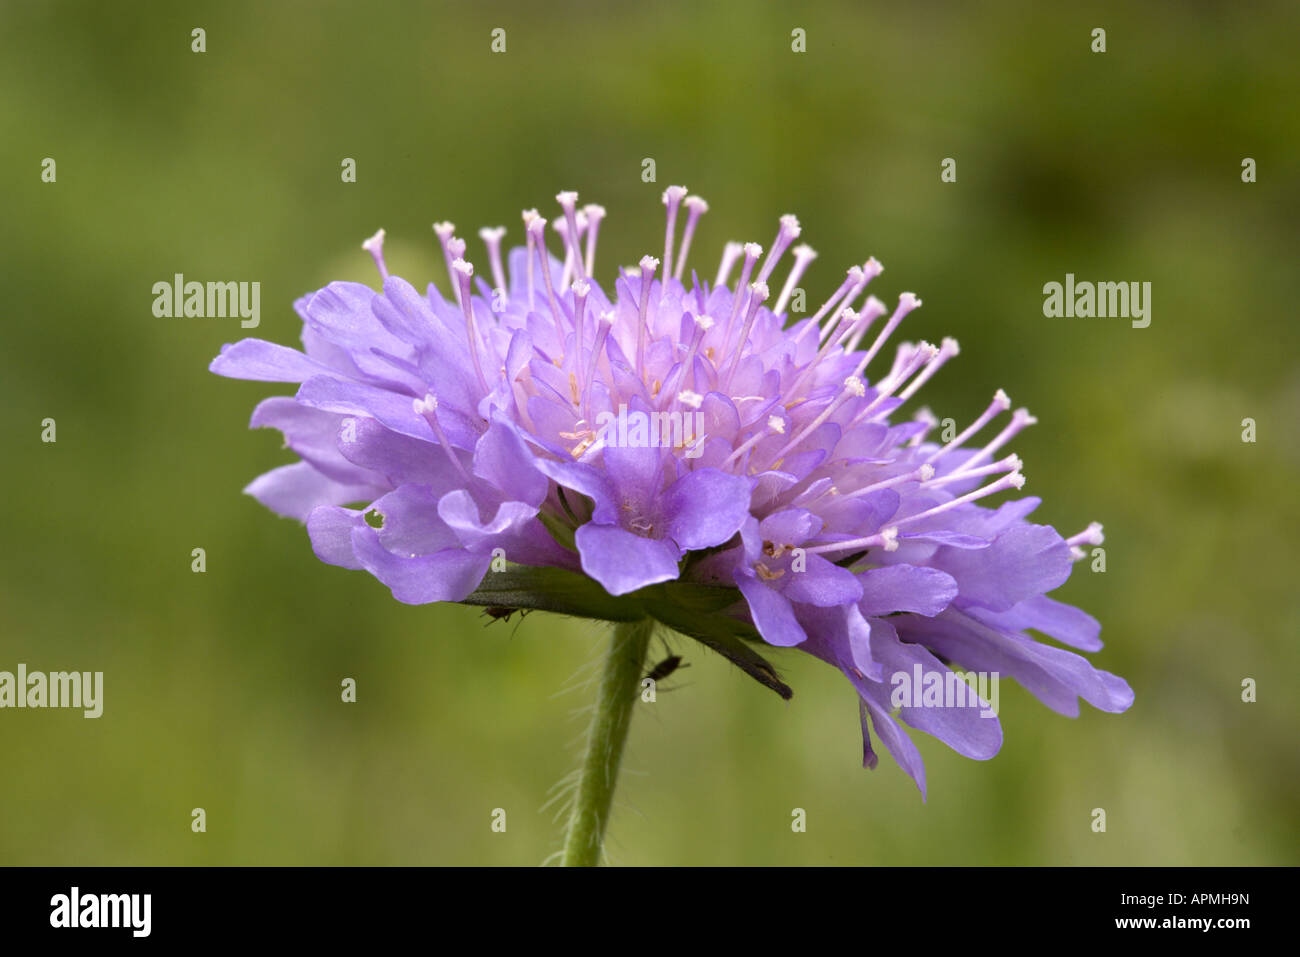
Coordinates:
column 222, row 689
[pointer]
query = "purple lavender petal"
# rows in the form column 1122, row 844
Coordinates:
column 894, row 588
column 622, row 561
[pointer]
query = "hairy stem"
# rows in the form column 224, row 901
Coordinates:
column 619, row 682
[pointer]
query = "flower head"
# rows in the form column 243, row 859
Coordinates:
column 675, row 449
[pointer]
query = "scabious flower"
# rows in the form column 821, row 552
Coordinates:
column 438, row 434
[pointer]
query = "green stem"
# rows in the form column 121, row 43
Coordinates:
column 619, row 682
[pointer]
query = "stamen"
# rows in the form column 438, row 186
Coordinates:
column 872, row 310
column 786, row 233
column 1089, row 536
column 775, row 426
column 537, row 229
column 581, row 288
column 672, row 198
column 568, row 201
column 947, row 349
column 461, row 271
column 869, row 270
column 859, row 281
column 529, row 215
column 854, row 274
column 730, row 253
column 922, row 354
column 1014, row 480
column 752, row 252
column 603, row 325
column 920, row 474
column 428, row 409
column 687, row 374
column 811, row 368
column 594, row 215
column 375, row 246
column 1019, row 419
column 573, row 258
column 1011, row 463
column 648, row 266
column 853, row 389
column 566, row 272
column 923, row 415
column 758, row 295
column 803, row 255
column 906, row 303
column 999, row 405
column 445, row 231
column 695, row 208
column 887, row 539
column 492, row 236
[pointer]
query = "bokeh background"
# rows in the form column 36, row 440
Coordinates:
column 222, row 688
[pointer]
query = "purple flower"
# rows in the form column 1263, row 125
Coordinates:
column 765, row 487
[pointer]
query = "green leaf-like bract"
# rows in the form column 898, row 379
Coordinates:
column 695, row 610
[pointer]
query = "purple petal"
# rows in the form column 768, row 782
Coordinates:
column 705, row 508
column 1022, row 562
column 411, row 523
column 502, row 458
column 330, row 529
column 313, row 434
column 294, row 490
column 893, row 588
column 1065, row 623
column 622, row 561
column 790, row 526
column 401, row 458
column 448, row 575
column 963, row 721
column 772, row 613
column 461, row 513
column 264, row 361
column 822, row 583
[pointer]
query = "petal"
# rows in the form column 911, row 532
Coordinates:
column 1023, row 561
column 264, row 361
column 844, row 629
column 461, row 513
column 636, row 473
column 502, row 459
column 400, row 458
column 772, row 613
column 330, row 529
column 294, row 490
column 893, row 588
column 705, row 508
column 1056, row 677
column 963, row 721
column 1065, row 623
column 821, row 583
column 392, row 409
column 588, row 481
column 411, row 523
column 897, row 743
column 313, row 434
column 790, row 526
column 622, row 561
column 448, row 575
